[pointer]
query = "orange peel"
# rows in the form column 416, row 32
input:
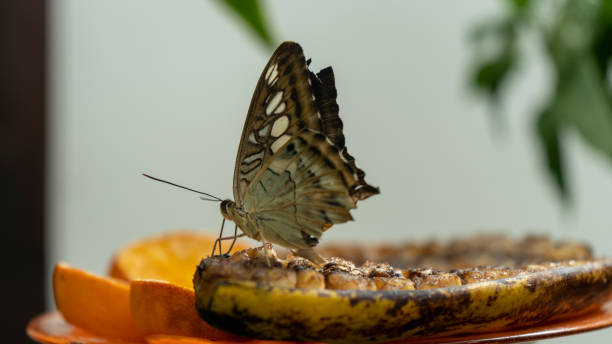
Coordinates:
column 160, row 307
column 171, row 257
column 97, row 304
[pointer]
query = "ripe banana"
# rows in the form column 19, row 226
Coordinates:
column 260, row 310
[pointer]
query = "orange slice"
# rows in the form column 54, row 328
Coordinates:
column 159, row 307
column 171, row 257
column 96, row 304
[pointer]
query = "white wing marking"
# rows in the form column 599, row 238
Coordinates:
column 279, row 142
column 274, row 102
column 280, row 108
column 280, row 125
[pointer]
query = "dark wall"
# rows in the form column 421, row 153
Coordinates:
column 22, row 163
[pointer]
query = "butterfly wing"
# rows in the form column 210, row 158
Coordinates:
column 278, row 99
column 301, row 192
column 293, row 172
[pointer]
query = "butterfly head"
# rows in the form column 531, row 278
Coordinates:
column 231, row 211
column 228, row 209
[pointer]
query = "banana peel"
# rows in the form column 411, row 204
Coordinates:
column 257, row 310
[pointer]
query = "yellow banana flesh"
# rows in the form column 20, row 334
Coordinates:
column 262, row 311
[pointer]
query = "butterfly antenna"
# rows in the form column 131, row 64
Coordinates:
column 212, row 198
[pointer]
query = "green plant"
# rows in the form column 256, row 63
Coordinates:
column 577, row 39
column 251, row 13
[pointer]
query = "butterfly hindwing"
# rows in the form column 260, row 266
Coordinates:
column 324, row 89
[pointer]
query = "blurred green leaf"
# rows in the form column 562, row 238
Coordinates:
column 495, row 42
column 549, row 135
column 490, row 75
column 520, row 4
column 581, row 103
column 602, row 41
column 578, row 39
column 584, row 105
column 571, row 37
column 500, row 28
column 250, row 11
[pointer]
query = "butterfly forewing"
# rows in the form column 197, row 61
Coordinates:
column 282, row 104
column 293, row 173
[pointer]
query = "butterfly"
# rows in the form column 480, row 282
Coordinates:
column 293, row 177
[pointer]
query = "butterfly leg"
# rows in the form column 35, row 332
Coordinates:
column 231, row 237
column 235, row 237
column 218, row 241
column 267, row 255
column 266, row 247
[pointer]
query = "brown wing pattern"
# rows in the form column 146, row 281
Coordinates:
column 293, row 172
column 286, row 88
column 324, row 89
column 283, row 90
column 303, row 190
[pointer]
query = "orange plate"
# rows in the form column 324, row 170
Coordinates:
column 50, row 328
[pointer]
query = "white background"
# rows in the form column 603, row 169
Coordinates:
column 163, row 87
